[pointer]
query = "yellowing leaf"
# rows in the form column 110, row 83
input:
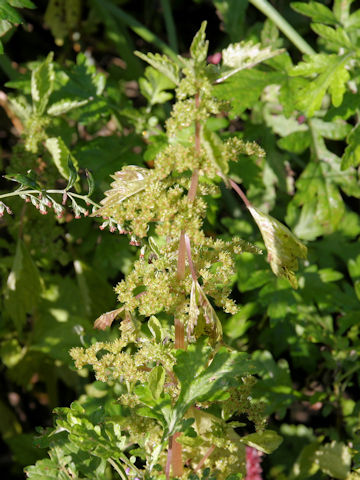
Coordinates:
column 202, row 316
column 282, row 246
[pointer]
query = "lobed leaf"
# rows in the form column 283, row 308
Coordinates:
column 317, row 11
column 163, row 64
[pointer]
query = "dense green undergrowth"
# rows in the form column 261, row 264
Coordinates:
column 272, row 357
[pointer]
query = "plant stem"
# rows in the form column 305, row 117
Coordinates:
column 205, row 457
column 118, row 469
column 241, row 194
column 289, row 31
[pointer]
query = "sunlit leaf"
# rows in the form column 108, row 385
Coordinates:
column 128, row 181
column 42, row 84
column 283, row 247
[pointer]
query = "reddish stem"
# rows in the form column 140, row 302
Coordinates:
column 205, row 457
column 180, row 273
column 241, row 194
column 191, row 263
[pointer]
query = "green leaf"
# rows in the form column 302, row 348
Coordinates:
column 322, row 206
column 252, row 82
column 156, row 329
column 351, row 157
column 296, row 142
column 163, row 64
column 334, row 459
column 42, row 84
column 25, row 180
column 333, row 76
column 9, row 14
column 317, row 11
column 266, row 441
column 199, row 46
column 23, row 289
column 156, row 381
column 72, row 174
column 22, row 3
column 232, row 13
column 282, row 246
column 61, row 156
column 154, row 86
column 337, row 37
column 65, row 105
column 243, row 55
column 200, row 381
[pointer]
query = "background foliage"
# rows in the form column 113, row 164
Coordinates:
column 71, row 83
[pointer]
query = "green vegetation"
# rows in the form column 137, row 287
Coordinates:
column 195, row 175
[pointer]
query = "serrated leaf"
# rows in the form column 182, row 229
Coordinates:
column 333, row 76
column 334, row 459
column 266, row 441
column 128, row 181
column 64, row 106
column 42, row 84
column 252, row 82
column 283, row 247
column 163, row 64
column 317, row 11
column 21, row 107
column 351, row 157
column 61, row 155
column 23, row 288
column 154, row 86
column 338, row 37
column 243, row 55
column 202, row 317
column 200, row 381
column 199, row 46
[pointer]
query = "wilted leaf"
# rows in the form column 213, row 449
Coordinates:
column 282, row 246
column 106, row 319
column 202, row 316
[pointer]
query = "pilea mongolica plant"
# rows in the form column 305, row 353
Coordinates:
column 180, row 390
